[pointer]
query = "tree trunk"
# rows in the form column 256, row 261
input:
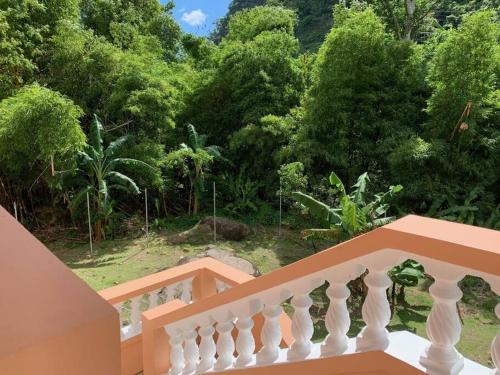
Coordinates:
column 393, row 299
column 196, row 204
column 402, row 296
column 410, row 13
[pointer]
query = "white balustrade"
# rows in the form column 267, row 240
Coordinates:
column 270, row 335
column 176, row 353
column 153, row 299
column 191, row 351
column 302, row 327
column 337, row 320
column 135, row 313
column 443, row 326
column 376, row 312
column 221, row 286
column 495, row 346
column 245, row 342
column 225, row 345
column 171, row 292
column 207, row 348
column 187, row 286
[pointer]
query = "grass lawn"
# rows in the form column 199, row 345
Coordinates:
column 125, row 259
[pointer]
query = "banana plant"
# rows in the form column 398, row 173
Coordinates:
column 193, row 158
column 97, row 174
column 407, row 274
column 355, row 212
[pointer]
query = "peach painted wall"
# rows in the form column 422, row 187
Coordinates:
column 51, row 322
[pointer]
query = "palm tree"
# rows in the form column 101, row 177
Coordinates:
column 96, row 174
column 193, row 159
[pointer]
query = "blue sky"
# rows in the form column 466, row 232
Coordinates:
column 198, row 16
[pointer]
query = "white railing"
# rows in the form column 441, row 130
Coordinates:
column 194, row 348
column 130, row 310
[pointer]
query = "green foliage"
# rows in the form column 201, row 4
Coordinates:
column 359, row 99
column 81, row 65
column 122, row 21
column 97, row 174
column 354, row 213
column 252, row 79
column 314, row 19
column 248, row 24
column 458, row 151
column 407, row 273
column 37, row 125
column 192, row 160
column 243, row 194
column 20, row 41
column 462, row 71
column 292, row 178
column 147, row 93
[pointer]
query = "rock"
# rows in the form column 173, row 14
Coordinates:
column 229, row 229
column 203, row 231
column 226, row 257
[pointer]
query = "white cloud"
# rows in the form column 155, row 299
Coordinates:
column 194, row 18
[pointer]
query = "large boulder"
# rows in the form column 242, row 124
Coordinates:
column 226, row 257
column 229, row 229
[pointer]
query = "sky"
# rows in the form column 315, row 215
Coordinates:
column 198, row 16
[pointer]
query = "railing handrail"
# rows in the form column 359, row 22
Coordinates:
column 137, row 287
column 474, row 248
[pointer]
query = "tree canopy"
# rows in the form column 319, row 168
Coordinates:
column 285, row 91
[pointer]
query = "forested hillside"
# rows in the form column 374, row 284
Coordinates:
column 315, row 21
column 108, row 98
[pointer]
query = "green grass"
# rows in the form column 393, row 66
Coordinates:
column 125, row 259
column 121, row 260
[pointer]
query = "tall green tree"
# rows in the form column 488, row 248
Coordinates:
column 458, row 150
column 39, row 134
column 257, row 73
column 21, row 36
column 366, row 90
column 122, row 21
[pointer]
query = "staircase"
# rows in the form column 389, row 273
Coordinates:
column 244, row 328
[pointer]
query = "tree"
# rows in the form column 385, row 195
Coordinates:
column 81, row 65
column 366, row 92
column 193, row 159
column 249, row 23
column 257, row 73
column 39, row 133
column 353, row 214
column 462, row 76
column 20, row 43
column 122, row 21
column 97, row 175
column 37, row 127
column 458, row 150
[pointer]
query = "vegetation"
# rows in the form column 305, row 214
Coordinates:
column 353, row 213
column 97, row 177
column 288, row 89
column 375, row 98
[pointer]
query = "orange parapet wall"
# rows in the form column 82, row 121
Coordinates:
column 51, row 322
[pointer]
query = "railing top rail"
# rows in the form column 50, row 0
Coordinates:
column 474, row 248
column 174, row 275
